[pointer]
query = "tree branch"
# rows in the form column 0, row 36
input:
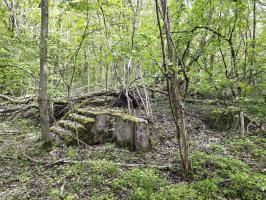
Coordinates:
column 21, row 68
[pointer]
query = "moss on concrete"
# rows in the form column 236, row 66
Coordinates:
column 81, row 119
column 85, row 103
column 91, row 112
column 69, row 140
column 72, row 126
column 92, row 128
column 127, row 117
column 64, row 135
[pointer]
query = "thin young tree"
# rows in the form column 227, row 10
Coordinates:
column 43, row 83
column 170, row 67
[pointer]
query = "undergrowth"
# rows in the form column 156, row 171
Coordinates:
column 233, row 170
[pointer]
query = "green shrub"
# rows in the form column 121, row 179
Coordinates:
column 143, row 183
column 226, row 177
column 119, row 183
column 104, row 167
column 208, row 188
column 246, row 186
column 253, row 146
column 208, row 166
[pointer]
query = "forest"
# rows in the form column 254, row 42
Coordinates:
column 133, row 99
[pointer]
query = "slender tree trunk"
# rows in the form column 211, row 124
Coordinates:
column 13, row 20
column 86, row 70
column 173, row 86
column 43, row 84
column 129, row 103
column 253, row 41
column 242, row 123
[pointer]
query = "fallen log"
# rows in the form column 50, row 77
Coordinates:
column 9, row 132
column 11, row 109
column 5, row 97
column 28, row 99
column 68, row 161
column 157, row 91
column 127, row 165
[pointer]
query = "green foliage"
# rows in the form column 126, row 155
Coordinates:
column 55, row 194
column 143, row 183
column 205, row 165
column 247, row 186
column 217, row 148
column 100, row 50
column 181, row 191
column 104, row 167
column 215, row 175
column 72, row 153
column 119, row 184
column 226, row 177
column 96, row 180
column 255, row 105
column 90, row 45
column 209, row 188
column 253, row 147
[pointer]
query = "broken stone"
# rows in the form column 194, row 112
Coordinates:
column 141, row 135
column 94, row 126
column 124, row 133
column 101, row 128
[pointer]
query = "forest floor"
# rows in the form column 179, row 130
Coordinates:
column 225, row 166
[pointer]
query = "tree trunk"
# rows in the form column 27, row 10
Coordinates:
column 242, row 123
column 173, row 85
column 253, row 42
column 43, row 95
column 180, row 121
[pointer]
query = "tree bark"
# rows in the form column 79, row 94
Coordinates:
column 253, row 41
column 43, row 84
column 173, row 84
column 242, row 123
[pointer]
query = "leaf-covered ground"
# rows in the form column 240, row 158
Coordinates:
column 224, row 165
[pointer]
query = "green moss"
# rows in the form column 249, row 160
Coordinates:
column 66, row 137
column 52, row 128
column 232, row 109
column 91, row 112
column 253, row 147
column 48, row 146
column 127, row 117
column 58, row 131
column 226, row 177
column 81, row 119
column 72, row 126
column 217, row 148
column 216, row 111
column 181, row 191
column 85, row 103
column 104, row 167
column 69, row 141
